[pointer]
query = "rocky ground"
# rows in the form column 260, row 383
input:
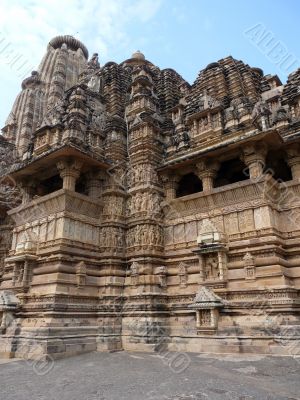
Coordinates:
column 148, row 376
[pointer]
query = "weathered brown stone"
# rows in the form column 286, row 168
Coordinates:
column 153, row 212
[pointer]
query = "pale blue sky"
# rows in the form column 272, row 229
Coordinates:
column 182, row 34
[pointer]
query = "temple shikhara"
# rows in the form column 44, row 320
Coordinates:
column 140, row 212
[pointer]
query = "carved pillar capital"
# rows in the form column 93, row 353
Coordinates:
column 293, row 150
column 170, row 180
column 254, row 152
column 293, row 160
column 27, row 188
column 207, row 171
column 69, row 171
column 94, row 183
column 254, row 156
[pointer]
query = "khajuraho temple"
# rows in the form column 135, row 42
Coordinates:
column 141, row 212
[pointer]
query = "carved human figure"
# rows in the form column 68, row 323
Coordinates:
column 94, row 61
column 129, row 205
column 94, row 83
column 137, row 238
column 205, row 317
column 144, row 201
column 120, row 238
column 211, row 267
column 156, row 203
column 134, row 269
column 182, row 272
column 144, row 236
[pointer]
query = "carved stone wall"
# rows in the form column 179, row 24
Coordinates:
column 96, row 241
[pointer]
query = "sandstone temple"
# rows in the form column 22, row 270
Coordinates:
column 139, row 212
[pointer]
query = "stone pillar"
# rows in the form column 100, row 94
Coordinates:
column 81, row 272
column 15, row 273
column 214, row 314
column 26, row 274
column 198, row 322
column 207, row 172
column 170, row 181
column 293, row 160
column 26, row 194
column 249, row 266
column 93, row 187
column 201, row 268
column 27, row 189
column 207, row 178
column 255, row 159
column 69, row 171
column 222, row 265
column 94, row 183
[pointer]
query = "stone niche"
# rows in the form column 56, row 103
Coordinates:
column 22, row 263
column 206, row 305
column 212, row 253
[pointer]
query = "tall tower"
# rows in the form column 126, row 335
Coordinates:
column 55, row 256
column 58, row 71
column 145, row 239
column 113, row 264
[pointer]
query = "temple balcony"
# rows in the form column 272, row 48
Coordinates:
column 228, row 195
column 48, row 139
column 61, row 204
column 60, row 217
column 249, row 214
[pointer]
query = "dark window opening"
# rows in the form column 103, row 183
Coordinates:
column 278, row 167
column 189, row 184
column 231, row 171
column 80, row 186
column 49, row 185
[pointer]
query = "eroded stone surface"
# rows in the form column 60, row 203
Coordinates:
column 125, row 191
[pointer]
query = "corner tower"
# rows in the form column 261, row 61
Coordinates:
column 58, row 71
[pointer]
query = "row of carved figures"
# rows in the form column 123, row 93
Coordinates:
column 137, row 236
column 112, row 237
column 113, row 206
column 135, row 272
column 142, row 235
column 138, row 202
column 142, row 173
column 138, row 174
column 144, row 202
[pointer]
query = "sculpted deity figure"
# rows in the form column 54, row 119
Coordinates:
column 94, row 61
column 144, row 236
column 134, row 268
column 137, row 202
column 94, row 83
column 212, row 269
column 144, row 202
column 156, row 202
column 151, row 236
